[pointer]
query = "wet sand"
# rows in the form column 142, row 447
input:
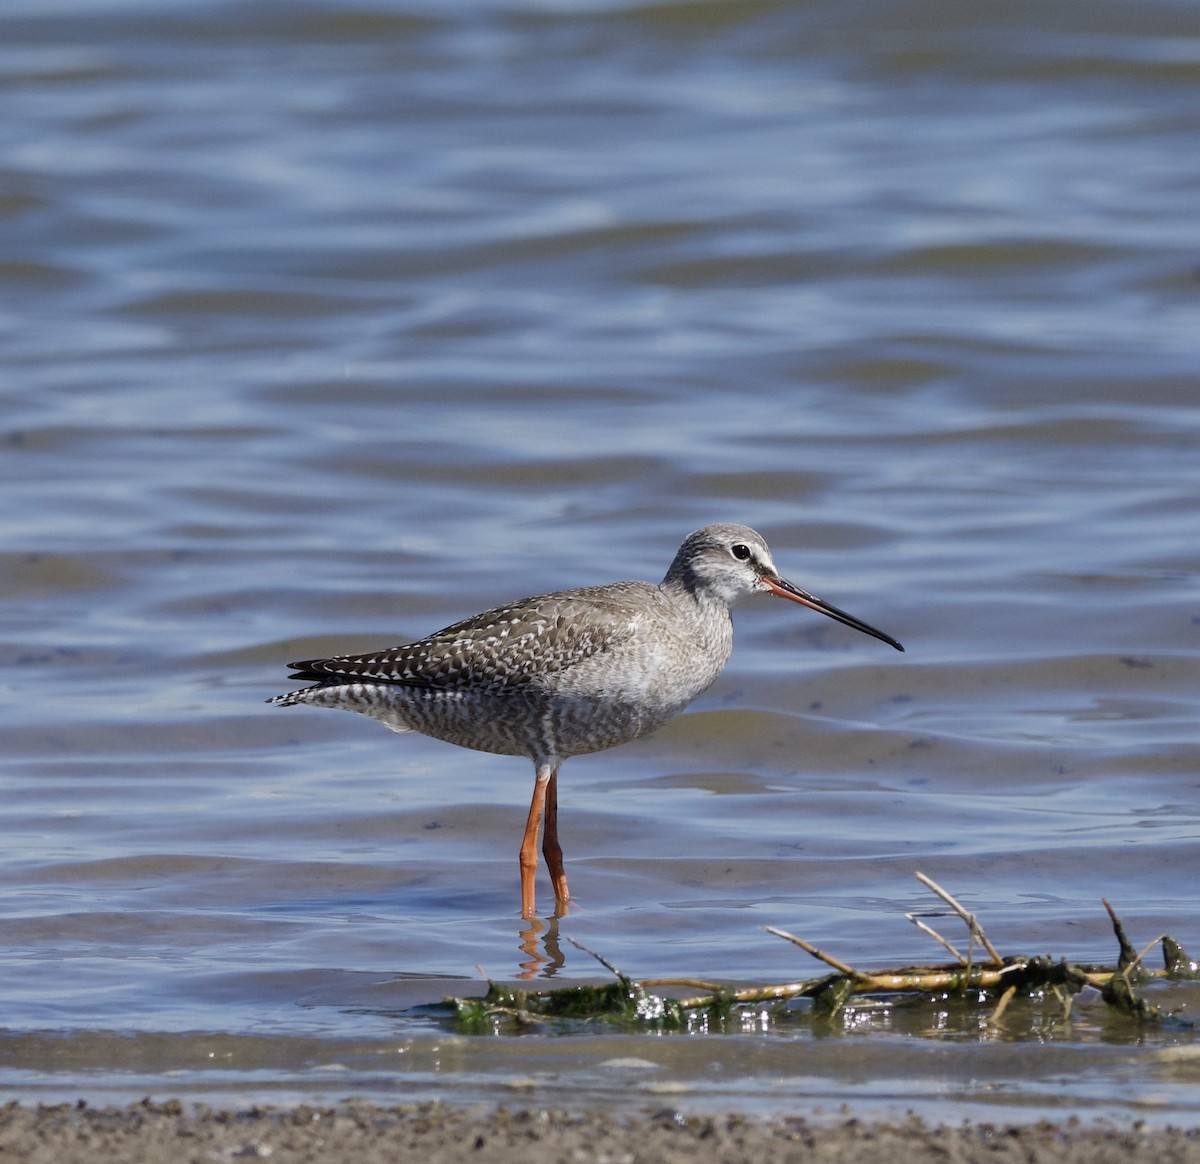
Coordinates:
column 430, row 1133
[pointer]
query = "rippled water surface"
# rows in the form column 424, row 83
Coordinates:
column 325, row 325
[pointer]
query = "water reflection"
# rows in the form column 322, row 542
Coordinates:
column 546, row 961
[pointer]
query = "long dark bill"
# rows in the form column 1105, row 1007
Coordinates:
column 785, row 589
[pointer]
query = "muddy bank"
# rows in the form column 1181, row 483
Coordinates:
column 364, row 1133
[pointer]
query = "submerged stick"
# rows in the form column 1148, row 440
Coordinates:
column 1002, row 1005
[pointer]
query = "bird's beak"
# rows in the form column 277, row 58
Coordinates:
column 784, row 589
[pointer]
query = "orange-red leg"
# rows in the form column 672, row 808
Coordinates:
column 528, row 857
column 544, row 803
column 552, row 850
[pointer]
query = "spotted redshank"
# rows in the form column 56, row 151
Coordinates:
column 567, row 673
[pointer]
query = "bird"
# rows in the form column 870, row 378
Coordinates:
column 565, row 673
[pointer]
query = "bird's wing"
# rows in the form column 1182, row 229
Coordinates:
column 509, row 647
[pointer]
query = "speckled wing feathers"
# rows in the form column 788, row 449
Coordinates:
column 511, row 646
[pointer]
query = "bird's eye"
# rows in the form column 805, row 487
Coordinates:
column 740, row 551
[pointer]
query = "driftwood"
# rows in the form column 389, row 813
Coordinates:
column 981, row 976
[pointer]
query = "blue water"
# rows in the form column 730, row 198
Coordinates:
column 325, row 327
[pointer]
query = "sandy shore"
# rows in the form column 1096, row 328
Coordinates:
column 433, row 1134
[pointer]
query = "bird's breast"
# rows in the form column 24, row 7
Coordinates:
column 618, row 695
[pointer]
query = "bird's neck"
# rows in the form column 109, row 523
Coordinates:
column 684, row 587
column 710, row 605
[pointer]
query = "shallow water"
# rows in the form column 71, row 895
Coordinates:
column 326, row 326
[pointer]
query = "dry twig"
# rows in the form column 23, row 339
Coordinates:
column 820, row 955
column 973, row 926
